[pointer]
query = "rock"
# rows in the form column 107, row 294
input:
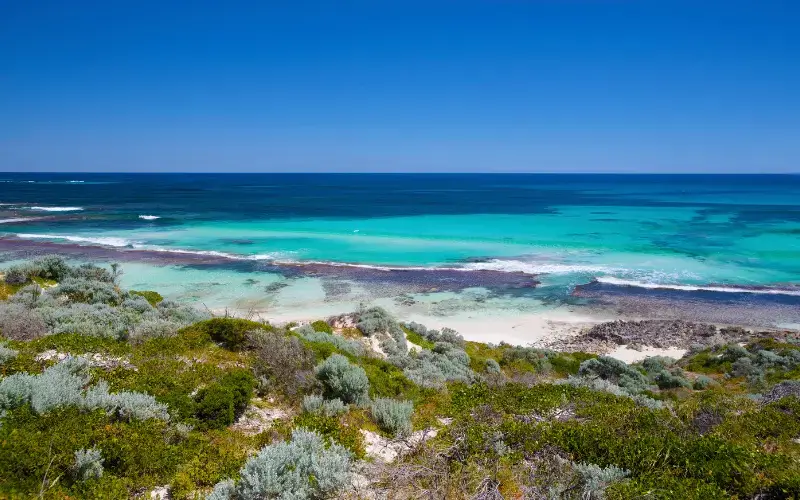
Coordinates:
column 160, row 493
column 387, row 450
column 782, row 390
column 257, row 419
column 96, row 360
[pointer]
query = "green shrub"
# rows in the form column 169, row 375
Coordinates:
column 215, row 406
column 393, row 416
column 241, row 384
column 614, row 371
column 231, row 333
column 153, row 298
column 321, row 326
column 343, row 380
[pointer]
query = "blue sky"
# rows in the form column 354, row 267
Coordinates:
column 553, row 86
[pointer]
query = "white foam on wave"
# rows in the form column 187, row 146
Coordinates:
column 530, row 267
column 106, row 241
column 19, row 219
column 116, row 242
column 56, row 209
column 610, row 280
column 149, row 217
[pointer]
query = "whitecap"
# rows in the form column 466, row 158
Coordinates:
column 149, row 217
column 531, row 267
column 107, row 240
column 610, row 280
column 56, row 209
column 19, row 219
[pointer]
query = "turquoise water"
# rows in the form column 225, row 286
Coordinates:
column 731, row 234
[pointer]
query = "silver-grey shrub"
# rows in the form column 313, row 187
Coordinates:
column 88, row 464
column 607, row 368
column 65, row 384
column 493, row 367
column 344, row 380
column 393, row 416
column 595, row 479
column 6, row 353
column 315, row 403
column 18, row 322
column 353, row 347
column 88, row 291
column 304, row 468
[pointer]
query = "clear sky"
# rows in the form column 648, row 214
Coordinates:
column 383, row 85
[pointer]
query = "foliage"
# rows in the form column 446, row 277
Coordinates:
column 153, row 298
column 222, row 402
column 303, row 468
column 393, row 416
column 343, row 380
column 353, row 347
column 314, row 403
column 88, row 464
column 231, row 333
column 614, row 371
column 321, row 326
column 492, row 366
column 6, row 353
column 282, row 363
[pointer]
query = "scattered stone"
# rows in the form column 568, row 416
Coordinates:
column 256, row 418
column 96, row 360
column 160, row 493
column 662, row 334
column 782, row 390
column 387, row 450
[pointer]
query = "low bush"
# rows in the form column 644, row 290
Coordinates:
column 315, row 403
column 703, row 382
column 343, row 380
column 353, row 347
column 63, row 385
column 18, row 322
column 305, row 466
column 230, row 333
column 214, row 406
column 321, row 326
column 615, row 371
column 493, row 367
column 153, row 298
column 282, row 363
column 6, row 353
column 88, row 291
column 88, row 464
column 393, row 416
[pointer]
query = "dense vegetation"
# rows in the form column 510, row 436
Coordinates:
column 107, row 393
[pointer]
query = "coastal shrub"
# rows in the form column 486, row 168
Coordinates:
column 62, row 385
column 744, row 367
column 6, row 353
column 537, row 358
column 88, row 291
column 153, row 298
column 18, row 322
column 343, row 380
column 17, row 275
column 152, row 328
column 321, row 326
column 95, row 320
column 306, row 467
column 92, row 272
column 670, row 380
column 595, row 479
column 231, row 333
column 185, row 315
column 281, row 362
column 222, row 402
column 492, row 366
column 615, row 371
column 734, row 352
column 353, row 347
column 425, row 374
column 703, row 382
column 88, row 464
column 314, row 403
column 51, row 267
column 374, row 320
column 214, row 406
column 656, row 364
column 136, row 303
column 393, row 416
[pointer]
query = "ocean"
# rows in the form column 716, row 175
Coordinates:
column 457, row 247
